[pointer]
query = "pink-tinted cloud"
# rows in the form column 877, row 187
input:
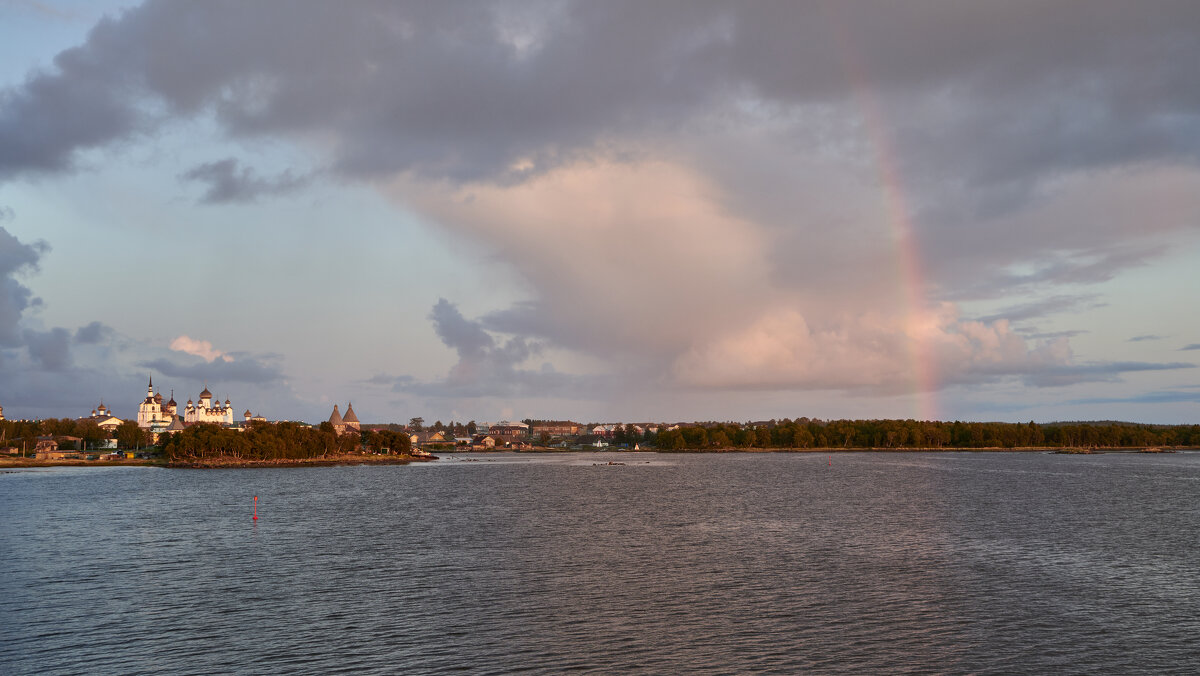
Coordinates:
column 199, row 348
column 643, row 264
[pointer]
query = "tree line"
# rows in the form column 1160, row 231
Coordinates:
column 274, row 441
column 862, row 434
column 26, row 432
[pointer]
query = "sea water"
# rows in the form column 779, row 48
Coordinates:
column 666, row 563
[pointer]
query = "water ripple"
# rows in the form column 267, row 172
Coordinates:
column 763, row 563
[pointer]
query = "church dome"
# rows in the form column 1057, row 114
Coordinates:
column 158, row 397
column 336, row 418
column 349, row 417
column 206, row 394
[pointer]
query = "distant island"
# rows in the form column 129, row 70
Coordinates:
column 344, row 441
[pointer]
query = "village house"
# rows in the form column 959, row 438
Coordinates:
column 606, row 430
column 419, row 439
column 554, row 428
column 508, row 430
column 47, row 449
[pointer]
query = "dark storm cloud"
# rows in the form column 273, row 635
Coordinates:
column 229, row 182
column 38, row 374
column 465, row 337
column 983, row 100
column 40, row 393
column 50, row 350
column 1057, row 376
column 385, row 379
column 459, row 90
column 1159, row 397
column 488, row 367
column 16, row 258
column 244, row 368
column 92, row 334
column 963, row 256
column 89, row 100
column 1193, row 346
column 1041, row 308
column 1034, row 334
column 1143, row 338
column 976, row 113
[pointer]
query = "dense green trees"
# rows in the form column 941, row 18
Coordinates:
column 274, row 441
column 911, row 434
column 18, row 432
column 129, row 435
column 390, row 441
column 294, row 440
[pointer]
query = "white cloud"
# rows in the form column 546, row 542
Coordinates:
column 625, row 258
column 874, row 352
column 199, row 348
column 642, row 265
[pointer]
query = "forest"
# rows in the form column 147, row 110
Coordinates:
column 910, row 434
column 25, row 432
column 275, row 441
column 287, row 440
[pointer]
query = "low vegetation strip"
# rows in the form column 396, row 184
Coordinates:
column 230, row 462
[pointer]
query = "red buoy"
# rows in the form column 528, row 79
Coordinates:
column 256, row 508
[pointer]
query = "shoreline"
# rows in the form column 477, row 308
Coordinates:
column 345, row 460
column 1068, row 450
column 327, row 461
column 839, row 449
column 220, row 463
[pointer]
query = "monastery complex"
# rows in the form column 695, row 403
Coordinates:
column 158, row 417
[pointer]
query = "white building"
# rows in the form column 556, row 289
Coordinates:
column 153, row 414
column 205, row 412
column 157, row 416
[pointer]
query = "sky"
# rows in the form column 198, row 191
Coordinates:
column 617, row 211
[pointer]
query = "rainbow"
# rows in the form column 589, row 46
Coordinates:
column 919, row 321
